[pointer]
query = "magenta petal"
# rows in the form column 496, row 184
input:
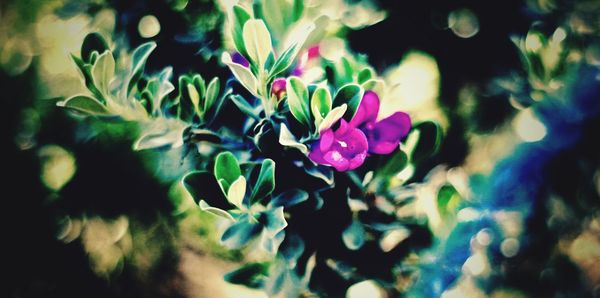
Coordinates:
column 316, row 155
column 336, row 159
column 367, row 110
column 326, row 140
column 383, row 147
column 357, row 161
column 393, row 128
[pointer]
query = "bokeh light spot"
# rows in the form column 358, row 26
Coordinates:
column 149, row 26
column 463, row 22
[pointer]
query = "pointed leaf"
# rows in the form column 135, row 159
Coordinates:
column 212, row 92
column 103, row 72
column 288, row 56
column 251, row 275
column 239, row 16
column 289, row 198
column 85, row 104
column 244, row 106
column 286, row 138
column 239, row 233
column 350, row 94
column 241, row 73
column 297, row 98
column 320, row 104
column 216, row 211
column 265, row 183
column 138, row 62
column 257, row 41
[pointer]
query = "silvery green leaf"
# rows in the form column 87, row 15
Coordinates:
column 273, row 221
column 354, row 235
column 288, row 56
column 320, row 104
column 161, row 133
column 332, row 117
column 212, row 92
column 194, row 97
column 239, row 17
column 265, row 183
column 242, row 74
column 138, row 61
column 271, row 243
column 286, row 138
column 375, row 85
column 216, row 211
column 364, row 75
column 257, row 41
column 103, row 72
column 236, row 192
column 202, row 185
column 85, row 104
column 227, row 169
column 244, row 106
column 297, row 98
column 239, row 233
column 289, row 198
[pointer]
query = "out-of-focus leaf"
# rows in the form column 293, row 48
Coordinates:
column 448, row 200
column 84, row 104
column 288, row 56
column 244, row 106
column 273, row 220
column 251, row 275
column 271, row 243
column 289, row 198
column 239, row 233
column 354, row 235
column 430, row 139
column 394, row 164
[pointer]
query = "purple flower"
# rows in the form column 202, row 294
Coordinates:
column 384, row 135
column 278, row 88
column 345, row 149
column 239, row 59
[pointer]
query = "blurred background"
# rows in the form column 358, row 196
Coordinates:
column 514, row 85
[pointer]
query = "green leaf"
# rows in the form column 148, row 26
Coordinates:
column 298, row 10
column 289, row 198
column 216, row 211
column 375, row 85
column 251, row 275
column 103, row 72
column 286, row 138
column 167, row 135
column 448, row 200
column 236, row 192
column 320, row 104
column 288, row 56
column 350, row 94
column 273, row 220
column 93, row 42
column 138, row 61
column 239, row 233
column 227, row 168
column 430, row 139
column 333, row 117
column 244, row 106
column 354, row 235
column 257, row 41
column 159, row 87
column 242, row 74
column 297, row 98
column 194, row 97
column 212, row 92
column 364, row 75
column 265, row 184
column 85, row 104
column 203, row 186
column 239, row 17
column 394, row 164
